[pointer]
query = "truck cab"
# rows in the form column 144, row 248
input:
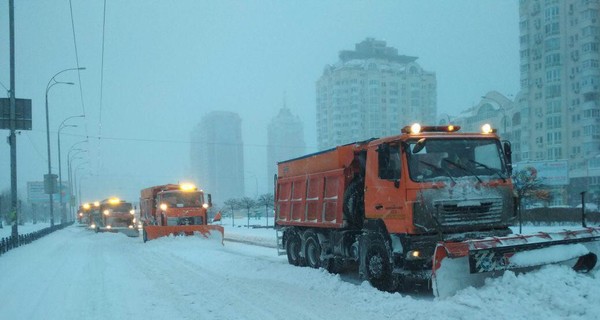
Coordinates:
column 181, row 207
column 117, row 213
column 83, row 213
column 438, row 179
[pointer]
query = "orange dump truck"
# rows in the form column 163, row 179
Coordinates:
column 117, row 216
column 175, row 209
column 430, row 206
column 84, row 214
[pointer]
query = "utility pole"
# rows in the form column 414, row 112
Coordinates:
column 12, row 138
column 1, row 226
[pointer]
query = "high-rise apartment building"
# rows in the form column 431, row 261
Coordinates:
column 560, row 88
column 285, row 136
column 217, row 155
column 372, row 91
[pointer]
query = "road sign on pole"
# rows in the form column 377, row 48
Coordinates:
column 22, row 114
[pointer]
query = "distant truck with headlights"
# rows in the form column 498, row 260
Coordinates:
column 178, row 209
column 430, row 206
column 114, row 215
column 117, row 213
column 84, row 214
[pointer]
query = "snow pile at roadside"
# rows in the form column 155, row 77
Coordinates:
column 553, row 292
column 77, row 274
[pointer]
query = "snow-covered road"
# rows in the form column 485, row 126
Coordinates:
column 77, row 274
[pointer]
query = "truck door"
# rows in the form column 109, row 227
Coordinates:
column 384, row 190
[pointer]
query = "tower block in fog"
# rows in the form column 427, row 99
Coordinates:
column 285, row 136
column 372, row 91
column 217, row 155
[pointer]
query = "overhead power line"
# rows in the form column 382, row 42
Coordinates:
column 78, row 65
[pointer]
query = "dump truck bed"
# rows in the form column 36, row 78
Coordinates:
column 314, row 200
column 310, row 189
column 336, row 158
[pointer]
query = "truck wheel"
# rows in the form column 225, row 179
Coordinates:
column 375, row 264
column 312, row 250
column 292, row 247
column 354, row 208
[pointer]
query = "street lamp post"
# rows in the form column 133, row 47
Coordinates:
column 63, row 207
column 80, row 166
column 49, row 181
column 79, row 185
column 70, row 173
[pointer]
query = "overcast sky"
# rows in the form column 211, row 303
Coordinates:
column 167, row 63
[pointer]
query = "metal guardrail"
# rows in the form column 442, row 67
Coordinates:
column 9, row 243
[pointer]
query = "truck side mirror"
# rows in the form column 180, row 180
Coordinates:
column 419, row 145
column 209, row 198
column 508, row 155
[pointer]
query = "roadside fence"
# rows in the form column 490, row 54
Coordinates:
column 12, row 242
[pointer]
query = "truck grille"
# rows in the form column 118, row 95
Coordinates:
column 457, row 213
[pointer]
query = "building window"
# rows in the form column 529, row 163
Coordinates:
column 553, row 91
column 552, row 44
column 553, row 122
column 553, row 75
column 553, row 60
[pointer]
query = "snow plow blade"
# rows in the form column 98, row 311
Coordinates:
column 457, row 265
column 130, row 232
column 206, row 231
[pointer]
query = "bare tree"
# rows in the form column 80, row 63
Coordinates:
column 266, row 200
column 232, row 204
column 247, row 203
column 528, row 185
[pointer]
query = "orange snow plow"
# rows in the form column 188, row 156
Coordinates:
column 457, row 265
column 206, row 231
column 177, row 210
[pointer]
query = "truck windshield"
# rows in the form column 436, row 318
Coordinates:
column 181, row 199
column 435, row 158
column 121, row 207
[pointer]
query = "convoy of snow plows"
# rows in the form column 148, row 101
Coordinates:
column 178, row 209
column 428, row 208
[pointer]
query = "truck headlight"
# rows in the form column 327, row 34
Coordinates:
column 163, row 206
column 106, row 212
column 413, row 255
column 132, row 211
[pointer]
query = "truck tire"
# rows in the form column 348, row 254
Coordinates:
column 312, row 250
column 375, row 265
column 354, row 207
column 292, row 248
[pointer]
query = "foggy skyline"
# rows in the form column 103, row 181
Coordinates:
column 166, row 64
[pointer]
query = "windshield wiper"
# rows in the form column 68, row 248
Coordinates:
column 463, row 168
column 496, row 171
column 438, row 168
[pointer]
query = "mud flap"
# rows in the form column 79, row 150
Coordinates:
column 457, row 265
column 206, row 231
